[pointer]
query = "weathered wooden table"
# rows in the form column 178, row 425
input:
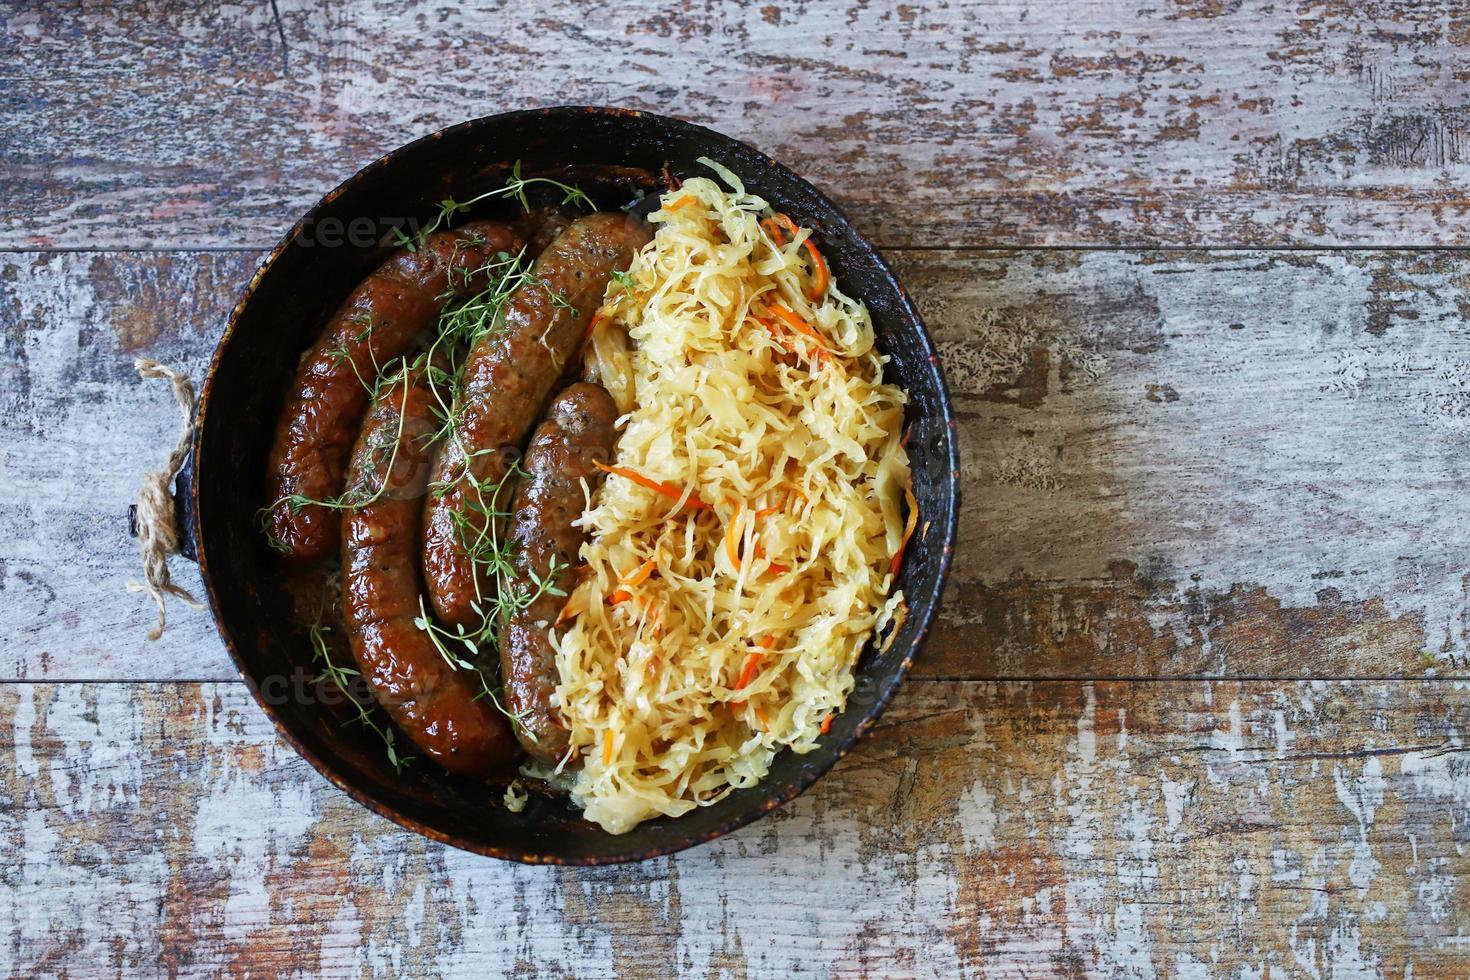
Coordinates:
column 1198, row 703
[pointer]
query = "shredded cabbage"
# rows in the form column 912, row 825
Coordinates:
column 706, row 637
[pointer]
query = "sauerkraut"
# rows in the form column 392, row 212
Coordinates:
column 743, row 546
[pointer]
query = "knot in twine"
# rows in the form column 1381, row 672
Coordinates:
column 158, row 533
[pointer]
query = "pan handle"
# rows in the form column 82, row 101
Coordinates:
column 184, row 517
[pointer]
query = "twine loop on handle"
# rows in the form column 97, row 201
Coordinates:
column 158, row 533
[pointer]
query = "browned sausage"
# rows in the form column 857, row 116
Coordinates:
column 578, row 432
column 377, row 323
column 435, row 704
column 507, row 380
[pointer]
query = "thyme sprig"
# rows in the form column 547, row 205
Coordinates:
column 485, row 504
column 446, row 642
column 515, row 187
column 354, row 497
column 341, row 677
column 462, row 325
column 507, row 602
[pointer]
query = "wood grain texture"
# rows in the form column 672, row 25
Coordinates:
column 1206, row 462
column 1306, row 829
column 78, row 430
column 1243, row 464
column 1088, row 122
column 1175, row 463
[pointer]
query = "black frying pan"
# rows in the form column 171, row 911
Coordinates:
column 616, row 155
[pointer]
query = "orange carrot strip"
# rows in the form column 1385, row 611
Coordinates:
column 827, row 724
column 767, row 642
column 774, row 231
column 682, row 202
column 621, row 595
column 819, row 355
column 597, row 319
column 802, row 327
column 778, row 223
column 784, row 222
column 667, row 489
column 639, row 575
column 773, row 331
column 607, row 747
column 760, row 716
column 748, row 671
column 819, row 264
column 908, row 531
column 821, row 278
column 795, row 322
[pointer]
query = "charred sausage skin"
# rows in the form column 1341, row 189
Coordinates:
column 377, row 323
column 433, row 703
column 507, row 380
column 578, row 433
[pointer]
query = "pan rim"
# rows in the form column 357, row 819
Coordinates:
column 776, row 796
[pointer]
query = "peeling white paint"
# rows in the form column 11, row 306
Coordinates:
column 977, row 817
column 889, row 865
column 1176, row 795
column 1362, row 795
column 1252, row 469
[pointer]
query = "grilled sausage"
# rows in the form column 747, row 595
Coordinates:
column 377, row 323
column 577, row 434
column 435, row 704
column 507, row 380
